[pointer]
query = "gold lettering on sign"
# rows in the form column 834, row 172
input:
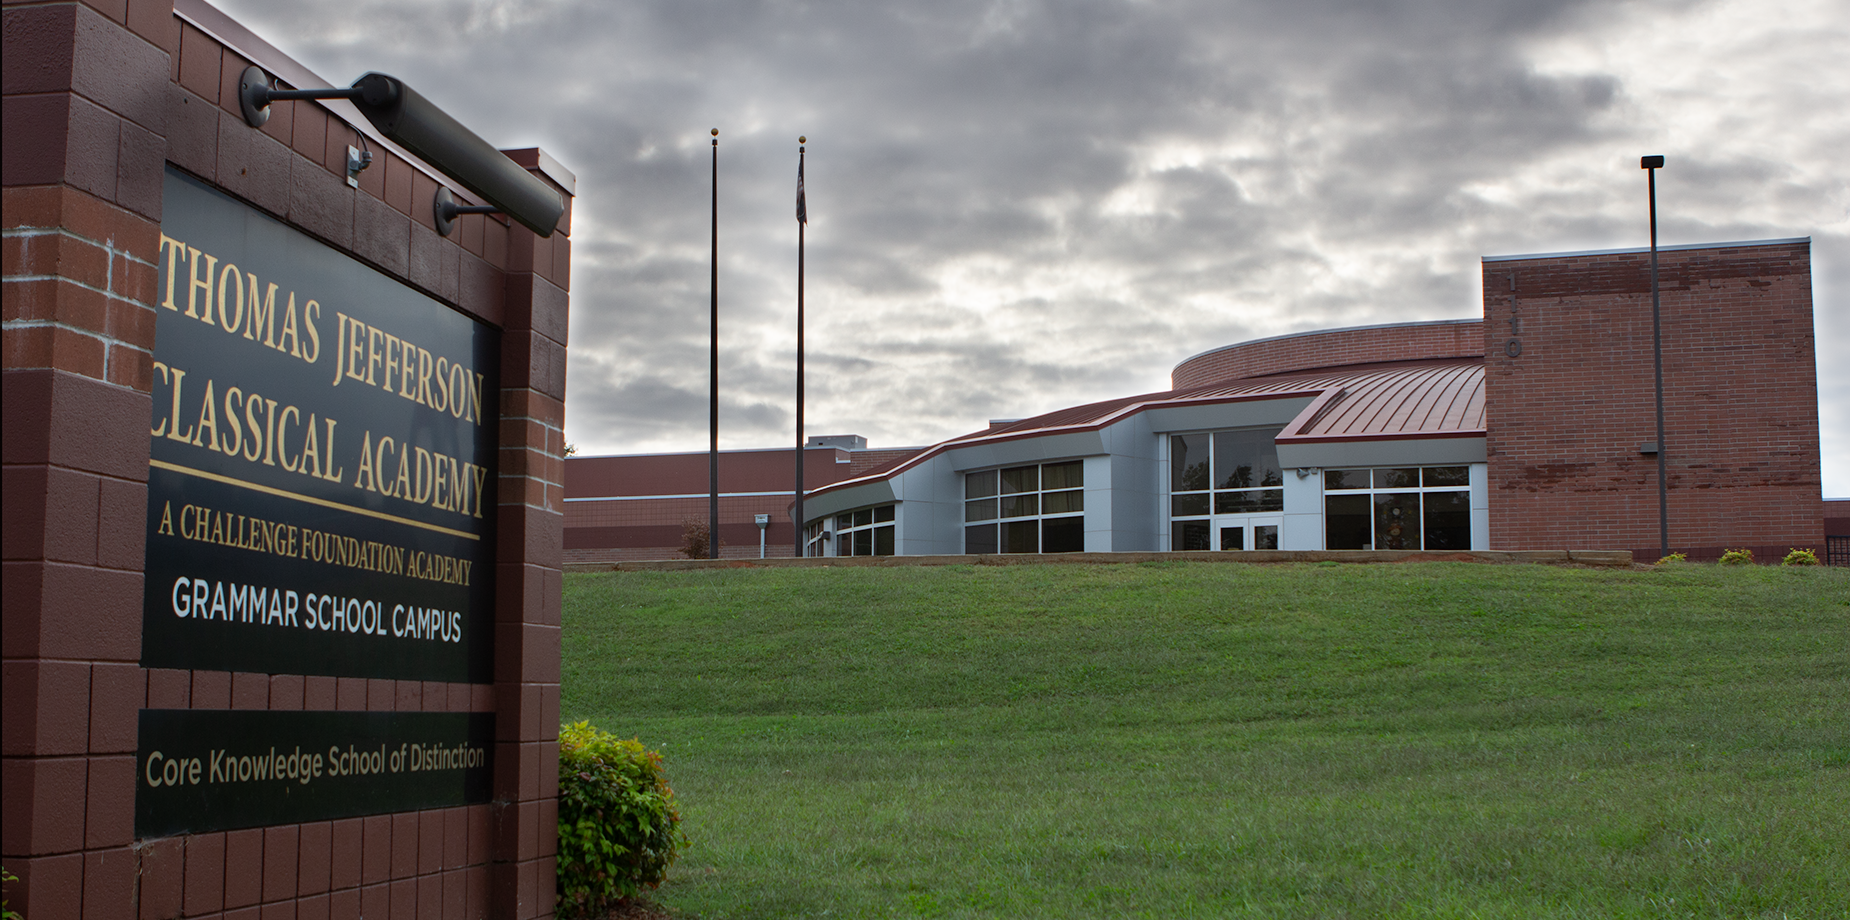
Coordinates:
column 422, row 477
column 267, row 434
column 237, row 301
column 372, row 356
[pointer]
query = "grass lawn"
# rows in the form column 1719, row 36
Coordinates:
column 1185, row 739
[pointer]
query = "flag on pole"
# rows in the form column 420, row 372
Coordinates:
column 802, row 210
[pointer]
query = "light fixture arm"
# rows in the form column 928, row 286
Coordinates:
column 445, row 209
column 255, row 95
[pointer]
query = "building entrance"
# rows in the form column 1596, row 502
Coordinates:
column 1247, row 531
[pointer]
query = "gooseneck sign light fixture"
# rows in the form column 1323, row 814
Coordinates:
column 404, row 117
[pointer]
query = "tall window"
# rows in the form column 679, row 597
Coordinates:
column 1222, row 472
column 1026, row 509
column 1397, row 508
column 867, row 532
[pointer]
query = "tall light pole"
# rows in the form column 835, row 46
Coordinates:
column 1651, row 165
column 713, row 377
column 802, row 225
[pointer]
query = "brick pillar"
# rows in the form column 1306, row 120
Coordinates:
column 528, row 578
column 85, row 138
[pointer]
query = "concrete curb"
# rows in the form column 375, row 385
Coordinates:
column 1599, row 557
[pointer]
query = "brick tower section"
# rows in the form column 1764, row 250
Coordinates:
column 82, row 204
column 100, row 97
column 1569, row 386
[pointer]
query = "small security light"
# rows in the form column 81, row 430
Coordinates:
column 408, row 119
column 1650, row 162
column 357, row 161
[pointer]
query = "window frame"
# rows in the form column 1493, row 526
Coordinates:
column 1379, row 495
column 864, row 527
column 822, row 538
column 1270, row 496
column 987, row 492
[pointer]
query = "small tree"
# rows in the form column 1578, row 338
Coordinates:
column 694, row 535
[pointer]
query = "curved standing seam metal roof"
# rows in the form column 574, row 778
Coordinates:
column 1411, row 399
column 1423, row 399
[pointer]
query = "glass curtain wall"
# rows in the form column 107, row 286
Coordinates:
column 867, row 532
column 1026, row 509
column 1398, row 508
column 1220, row 472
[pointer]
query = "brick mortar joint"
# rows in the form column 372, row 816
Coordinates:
column 537, row 479
column 22, row 279
column 12, row 324
column 534, row 392
column 108, row 245
column 522, row 504
column 94, row 566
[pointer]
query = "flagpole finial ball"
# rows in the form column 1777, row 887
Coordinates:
column 715, row 132
column 802, row 140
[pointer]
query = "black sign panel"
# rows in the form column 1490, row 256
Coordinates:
column 204, row 770
column 321, row 491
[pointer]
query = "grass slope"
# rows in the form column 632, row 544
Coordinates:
column 1221, row 740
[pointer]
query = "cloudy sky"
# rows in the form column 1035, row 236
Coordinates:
column 1017, row 205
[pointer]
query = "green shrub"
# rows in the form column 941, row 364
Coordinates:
column 1737, row 557
column 1800, row 557
column 619, row 827
column 1673, row 557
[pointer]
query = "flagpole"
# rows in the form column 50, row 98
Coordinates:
column 802, row 225
column 713, row 377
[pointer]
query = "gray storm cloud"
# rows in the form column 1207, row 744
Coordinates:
column 1017, row 206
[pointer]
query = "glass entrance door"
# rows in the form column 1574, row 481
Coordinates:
column 1246, row 531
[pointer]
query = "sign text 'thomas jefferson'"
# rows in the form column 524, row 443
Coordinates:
column 259, row 429
column 323, row 454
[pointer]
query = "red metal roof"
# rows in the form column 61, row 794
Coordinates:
column 1409, row 399
column 1413, row 399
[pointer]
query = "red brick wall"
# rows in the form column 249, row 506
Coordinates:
column 98, row 98
column 649, row 527
column 1572, row 399
column 1334, row 348
column 616, row 531
column 1837, row 518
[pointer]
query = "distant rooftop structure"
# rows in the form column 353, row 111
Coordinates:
column 839, row 441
